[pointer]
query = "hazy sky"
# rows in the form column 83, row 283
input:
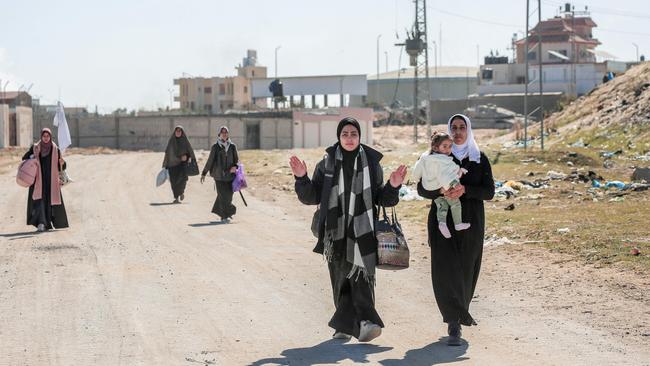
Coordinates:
column 122, row 53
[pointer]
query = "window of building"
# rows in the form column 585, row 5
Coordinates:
column 553, row 57
column 532, row 55
column 207, row 90
column 253, row 71
column 199, row 89
column 245, row 89
column 192, row 105
column 222, row 89
column 230, row 105
column 208, row 107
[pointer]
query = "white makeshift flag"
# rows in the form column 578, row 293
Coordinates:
column 60, row 122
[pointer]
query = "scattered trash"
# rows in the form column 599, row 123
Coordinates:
column 579, row 143
column 531, row 160
column 510, row 207
column 635, row 251
column 645, row 157
column 498, row 184
column 555, row 175
column 505, row 191
column 608, row 164
column 530, row 174
column 563, row 230
column 611, row 184
column 641, row 174
column 497, row 241
column 408, row 194
column 568, row 163
column 514, row 185
column 537, row 184
column 610, row 154
column 617, row 199
column 638, row 187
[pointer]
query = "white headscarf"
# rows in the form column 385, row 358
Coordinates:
column 470, row 147
column 225, row 144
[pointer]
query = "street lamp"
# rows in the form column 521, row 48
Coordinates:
column 276, row 61
column 637, row 51
column 377, row 81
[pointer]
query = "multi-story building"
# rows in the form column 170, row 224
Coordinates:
column 218, row 94
column 568, row 55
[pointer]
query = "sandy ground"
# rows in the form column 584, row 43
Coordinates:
column 138, row 281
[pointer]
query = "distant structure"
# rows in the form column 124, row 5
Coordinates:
column 570, row 60
column 215, row 95
column 16, row 119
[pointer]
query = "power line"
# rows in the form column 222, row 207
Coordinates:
column 518, row 27
column 475, row 19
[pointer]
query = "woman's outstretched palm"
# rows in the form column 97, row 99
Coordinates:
column 298, row 167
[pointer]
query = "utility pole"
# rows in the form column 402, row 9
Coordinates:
column 377, row 78
column 276, row 61
column 637, row 51
column 540, row 77
column 526, row 34
column 418, row 50
column 386, row 54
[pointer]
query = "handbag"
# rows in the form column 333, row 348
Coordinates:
column 392, row 250
column 192, row 168
column 27, row 172
column 315, row 220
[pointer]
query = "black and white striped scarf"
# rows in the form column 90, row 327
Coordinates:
column 361, row 246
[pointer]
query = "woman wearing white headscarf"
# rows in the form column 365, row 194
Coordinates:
column 456, row 262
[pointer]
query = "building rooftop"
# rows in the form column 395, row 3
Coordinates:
column 434, row 72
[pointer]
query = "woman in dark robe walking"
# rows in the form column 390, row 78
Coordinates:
column 222, row 165
column 45, row 208
column 348, row 185
column 456, row 262
column 178, row 155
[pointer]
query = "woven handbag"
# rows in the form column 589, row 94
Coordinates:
column 392, row 250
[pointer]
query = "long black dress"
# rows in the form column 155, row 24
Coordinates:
column 42, row 211
column 354, row 298
column 177, row 147
column 456, row 262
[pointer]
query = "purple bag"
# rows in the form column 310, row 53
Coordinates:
column 239, row 182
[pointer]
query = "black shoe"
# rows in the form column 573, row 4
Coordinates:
column 454, row 331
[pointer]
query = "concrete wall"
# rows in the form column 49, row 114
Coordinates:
column 383, row 90
column 316, row 129
column 4, row 125
column 24, row 126
column 153, row 132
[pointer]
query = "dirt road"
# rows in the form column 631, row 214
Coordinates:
column 138, row 281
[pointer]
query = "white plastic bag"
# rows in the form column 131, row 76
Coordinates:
column 162, row 177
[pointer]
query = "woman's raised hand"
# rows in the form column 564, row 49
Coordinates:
column 397, row 177
column 298, row 167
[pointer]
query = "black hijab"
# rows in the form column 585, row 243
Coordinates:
column 177, row 147
column 349, row 157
